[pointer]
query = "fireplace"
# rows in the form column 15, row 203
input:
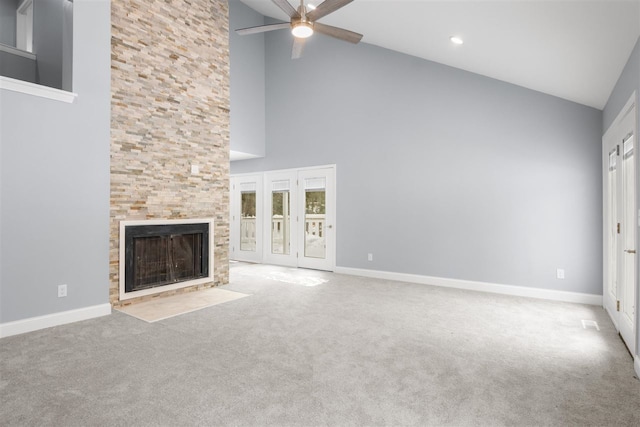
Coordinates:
column 156, row 256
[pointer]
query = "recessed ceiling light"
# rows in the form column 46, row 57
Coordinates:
column 456, row 40
column 311, row 7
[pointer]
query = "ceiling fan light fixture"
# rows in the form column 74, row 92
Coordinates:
column 302, row 30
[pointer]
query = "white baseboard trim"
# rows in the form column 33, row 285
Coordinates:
column 55, row 319
column 636, row 365
column 520, row 291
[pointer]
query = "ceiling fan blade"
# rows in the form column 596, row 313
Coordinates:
column 298, row 45
column 339, row 33
column 263, row 28
column 287, row 8
column 325, row 8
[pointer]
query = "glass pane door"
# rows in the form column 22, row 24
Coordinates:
column 280, row 223
column 246, row 216
column 314, row 217
column 248, row 221
column 285, row 217
column 316, row 220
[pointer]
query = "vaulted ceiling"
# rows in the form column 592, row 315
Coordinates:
column 573, row 49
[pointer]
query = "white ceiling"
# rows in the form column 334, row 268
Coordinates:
column 573, row 49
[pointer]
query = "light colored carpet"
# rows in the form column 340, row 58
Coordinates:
column 351, row 351
column 166, row 307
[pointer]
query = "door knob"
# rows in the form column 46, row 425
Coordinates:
column 630, row 251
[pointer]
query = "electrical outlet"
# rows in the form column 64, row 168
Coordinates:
column 370, row 257
column 560, row 273
column 62, row 291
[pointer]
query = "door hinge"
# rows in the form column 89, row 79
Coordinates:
column 617, row 305
column 617, row 150
column 296, row 254
column 618, row 228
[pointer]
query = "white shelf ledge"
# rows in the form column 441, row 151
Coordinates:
column 18, row 52
column 7, row 83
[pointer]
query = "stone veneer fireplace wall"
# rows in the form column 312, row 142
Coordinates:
column 170, row 120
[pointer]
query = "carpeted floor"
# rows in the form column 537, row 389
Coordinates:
column 312, row 348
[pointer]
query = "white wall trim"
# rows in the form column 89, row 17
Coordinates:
column 7, row 83
column 17, row 52
column 621, row 115
column 55, row 319
column 239, row 155
column 520, row 291
column 304, row 168
column 636, row 365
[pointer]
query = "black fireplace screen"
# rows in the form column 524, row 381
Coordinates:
column 158, row 255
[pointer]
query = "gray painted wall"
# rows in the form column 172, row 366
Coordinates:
column 54, row 184
column 17, row 67
column 8, row 22
column 48, row 17
column 628, row 82
column 67, row 47
column 247, row 81
column 440, row 172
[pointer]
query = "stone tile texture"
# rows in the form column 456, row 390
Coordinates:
column 169, row 111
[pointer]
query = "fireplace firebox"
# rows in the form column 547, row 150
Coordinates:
column 167, row 256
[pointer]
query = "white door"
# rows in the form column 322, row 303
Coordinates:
column 611, row 230
column 292, row 225
column 280, row 225
column 627, row 297
column 620, row 224
column 316, row 219
column 246, row 218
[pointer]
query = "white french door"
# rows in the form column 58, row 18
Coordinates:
column 296, row 218
column 245, row 232
column 280, row 221
column 316, row 219
column 620, row 224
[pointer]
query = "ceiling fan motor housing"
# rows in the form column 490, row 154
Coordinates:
column 301, row 28
column 303, row 24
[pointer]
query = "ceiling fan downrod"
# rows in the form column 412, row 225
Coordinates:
column 302, row 11
column 302, row 28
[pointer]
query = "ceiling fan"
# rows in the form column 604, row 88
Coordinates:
column 303, row 24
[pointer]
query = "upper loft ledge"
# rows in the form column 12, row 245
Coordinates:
column 7, row 83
